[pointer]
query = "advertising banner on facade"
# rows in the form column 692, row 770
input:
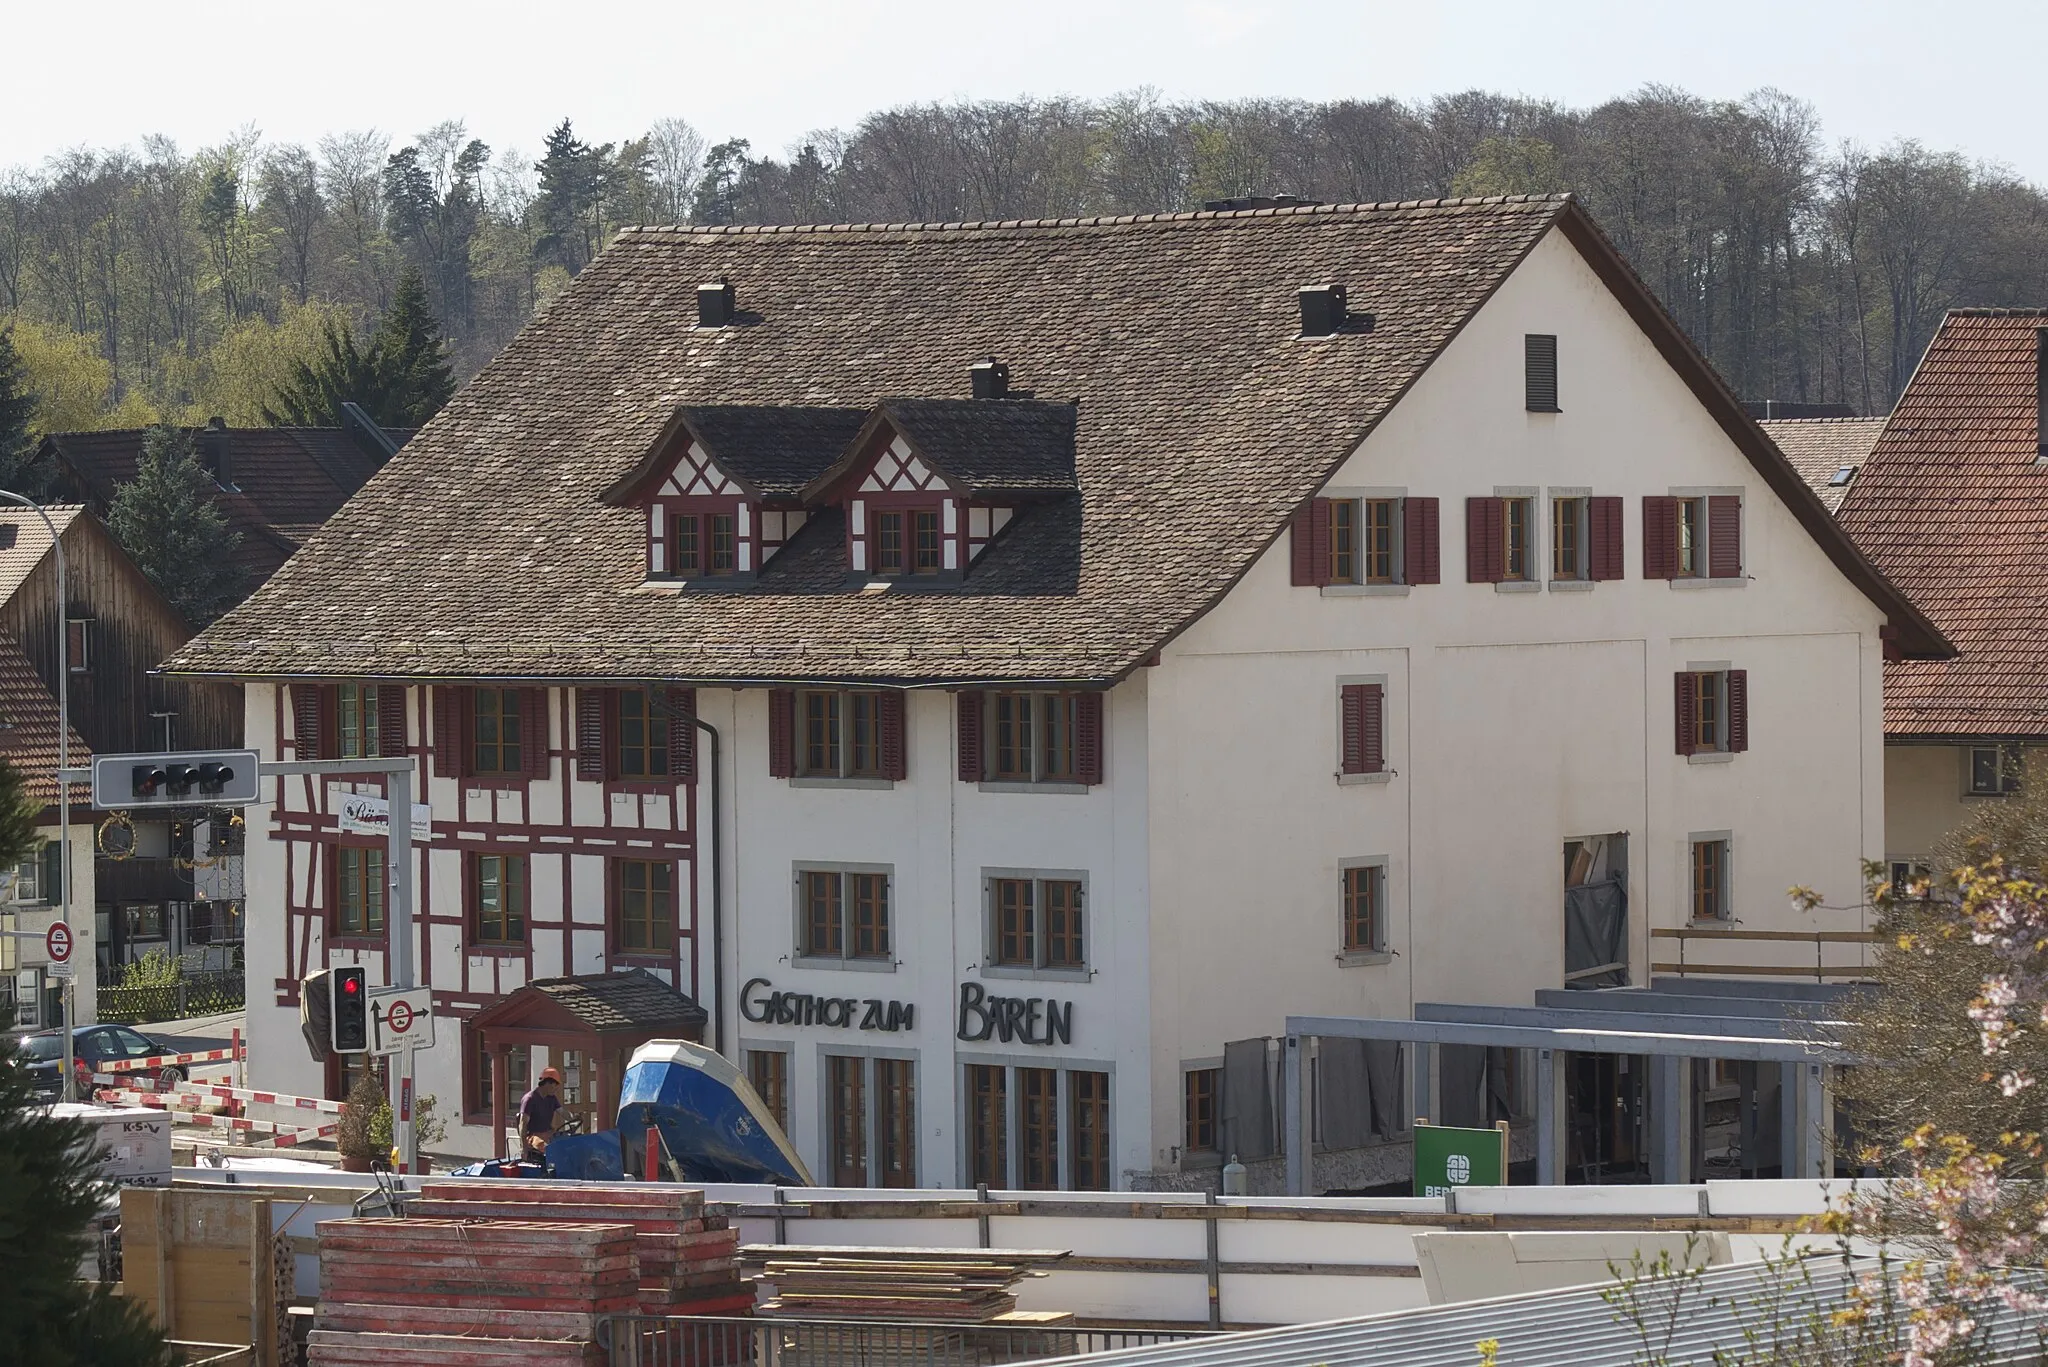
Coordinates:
column 362, row 815
column 1447, row 1157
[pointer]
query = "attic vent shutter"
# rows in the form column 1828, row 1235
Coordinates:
column 590, row 746
column 682, row 734
column 306, row 720
column 1539, row 363
column 391, row 737
column 1724, row 536
column 1738, row 710
column 1421, row 542
column 1660, row 537
column 1311, row 544
column 534, row 732
column 781, row 733
column 1686, row 711
column 1603, row 537
column 893, row 766
column 1485, row 551
column 1088, row 737
column 969, row 707
column 451, row 754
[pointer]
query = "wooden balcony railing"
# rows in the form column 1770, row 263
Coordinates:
column 1820, row 971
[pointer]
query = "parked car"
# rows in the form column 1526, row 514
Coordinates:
column 95, row 1045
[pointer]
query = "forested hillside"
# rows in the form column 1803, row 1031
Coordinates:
column 149, row 281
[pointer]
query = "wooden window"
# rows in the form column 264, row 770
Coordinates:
column 495, row 734
column 358, row 890
column 1016, row 921
column 721, row 535
column 851, row 733
column 357, row 717
column 1065, row 945
column 823, row 923
column 1689, row 558
column 685, row 550
column 768, row 1071
column 1382, row 561
column 1088, row 1128
column 77, row 645
column 1517, row 557
column 647, row 906
column 1038, row 1129
column 847, row 1119
column 889, row 548
column 1712, row 711
column 643, row 735
column 1539, row 372
column 1995, row 770
column 1709, row 880
column 1362, row 718
column 1341, row 564
column 988, row 1124
column 821, row 733
column 1364, row 925
column 498, row 898
column 870, row 897
column 1056, row 737
column 927, row 558
column 1033, row 737
column 1568, row 538
column 863, row 735
column 1201, row 1088
column 518, row 1069
column 896, row 1121
column 1013, row 748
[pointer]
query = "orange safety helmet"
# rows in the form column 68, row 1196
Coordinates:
column 550, row 1075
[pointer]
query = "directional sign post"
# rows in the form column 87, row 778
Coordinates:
column 57, row 943
column 401, row 1018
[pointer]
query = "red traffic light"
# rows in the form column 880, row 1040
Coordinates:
column 351, row 986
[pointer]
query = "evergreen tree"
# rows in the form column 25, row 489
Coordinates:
column 18, row 470
column 341, row 373
column 411, row 357
column 717, row 190
column 574, row 180
column 167, row 521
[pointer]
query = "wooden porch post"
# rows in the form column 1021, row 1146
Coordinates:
column 498, row 1085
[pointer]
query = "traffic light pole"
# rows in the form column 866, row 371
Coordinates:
column 398, row 965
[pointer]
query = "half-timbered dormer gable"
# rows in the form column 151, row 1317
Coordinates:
column 722, row 486
column 929, row 484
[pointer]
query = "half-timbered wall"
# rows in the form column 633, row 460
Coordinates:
column 570, row 830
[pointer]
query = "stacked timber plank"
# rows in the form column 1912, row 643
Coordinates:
column 951, row 1285
column 688, row 1257
column 394, row 1293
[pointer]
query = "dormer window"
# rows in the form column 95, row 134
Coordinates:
column 705, row 544
column 909, row 542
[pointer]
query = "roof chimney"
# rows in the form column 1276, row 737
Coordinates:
column 991, row 379
column 214, row 450
column 714, row 304
column 2041, row 396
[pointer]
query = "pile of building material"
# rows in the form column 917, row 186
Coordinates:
column 954, row 1285
column 133, row 1143
column 688, row 1258
column 394, row 1293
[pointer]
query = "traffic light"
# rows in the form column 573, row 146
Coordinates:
column 215, row 777
column 351, row 1012
column 149, row 780
column 179, row 778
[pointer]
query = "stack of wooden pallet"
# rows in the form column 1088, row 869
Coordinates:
column 394, row 1293
column 689, row 1261
column 954, row 1285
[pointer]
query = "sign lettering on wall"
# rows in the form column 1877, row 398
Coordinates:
column 1025, row 1020
column 761, row 1003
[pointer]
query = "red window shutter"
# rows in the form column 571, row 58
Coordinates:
column 1311, row 546
column 451, row 734
column 391, row 719
column 1738, row 710
column 1088, row 736
column 682, row 735
column 1724, row 536
column 1485, row 555
column 1603, row 533
column 590, row 746
column 307, row 711
column 1351, row 699
column 534, row 732
column 1421, row 541
column 781, row 733
column 1685, row 712
column 1375, row 729
column 972, row 756
column 1660, row 536
column 893, row 765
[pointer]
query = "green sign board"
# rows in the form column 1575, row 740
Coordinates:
column 1448, row 1157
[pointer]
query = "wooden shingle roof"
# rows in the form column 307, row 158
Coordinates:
column 1821, row 448
column 487, row 549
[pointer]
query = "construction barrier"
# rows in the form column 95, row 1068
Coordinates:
column 231, row 1054
column 208, row 1091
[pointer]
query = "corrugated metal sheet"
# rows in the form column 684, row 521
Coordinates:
column 1745, row 1313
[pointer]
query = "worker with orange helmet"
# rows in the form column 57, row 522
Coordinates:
column 537, row 1116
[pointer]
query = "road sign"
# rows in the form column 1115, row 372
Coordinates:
column 57, row 942
column 179, row 778
column 1447, row 1157
column 401, row 1018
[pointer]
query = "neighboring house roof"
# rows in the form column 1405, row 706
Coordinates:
column 1823, row 449
column 282, row 481
column 24, row 542
column 28, row 727
column 1952, row 503
column 486, row 548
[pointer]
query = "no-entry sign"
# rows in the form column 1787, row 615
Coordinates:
column 57, row 943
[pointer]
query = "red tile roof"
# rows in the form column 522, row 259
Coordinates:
column 1952, row 504
column 28, row 726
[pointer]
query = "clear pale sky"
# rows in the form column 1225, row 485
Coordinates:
column 102, row 74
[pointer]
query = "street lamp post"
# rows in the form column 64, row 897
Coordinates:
column 63, row 764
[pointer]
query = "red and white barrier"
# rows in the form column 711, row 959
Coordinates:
column 281, row 1131
column 206, row 1091
column 155, row 1061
